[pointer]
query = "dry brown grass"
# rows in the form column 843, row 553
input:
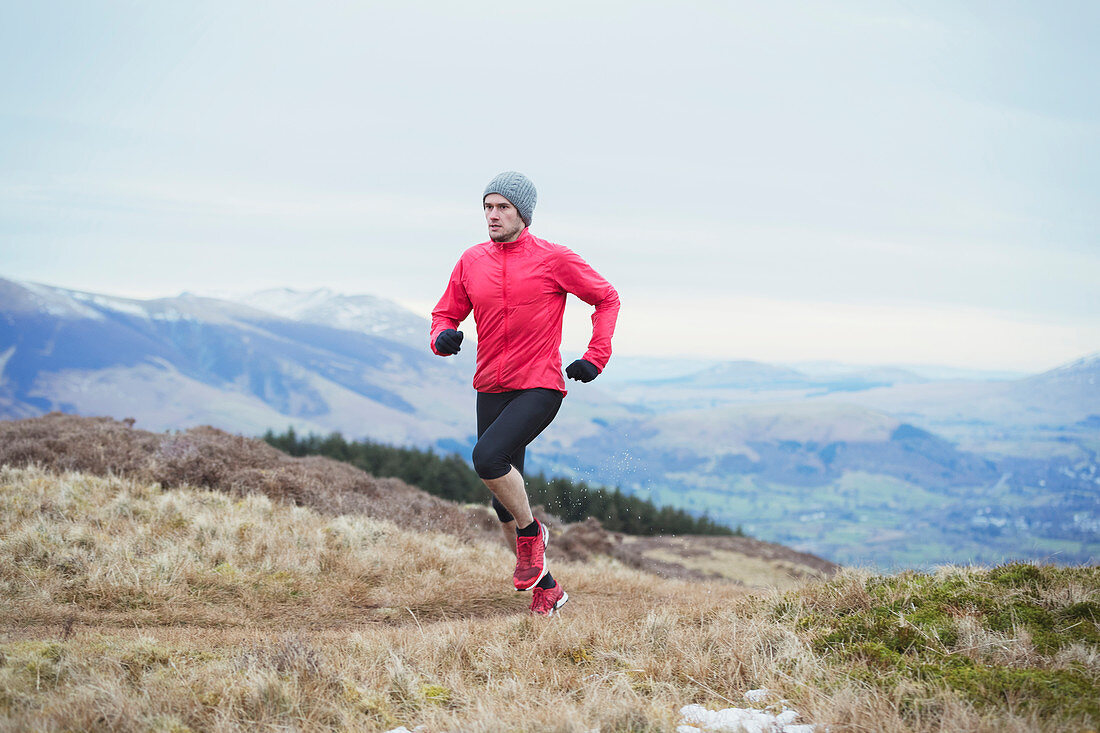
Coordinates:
column 125, row 607
column 209, row 458
column 206, row 457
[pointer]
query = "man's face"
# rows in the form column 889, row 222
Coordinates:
column 505, row 224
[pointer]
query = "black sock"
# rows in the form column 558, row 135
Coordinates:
column 531, row 530
column 547, row 581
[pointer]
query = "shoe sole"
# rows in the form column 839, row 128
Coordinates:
column 545, row 565
column 560, row 603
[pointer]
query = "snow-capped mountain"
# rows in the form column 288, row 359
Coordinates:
column 365, row 313
column 176, row 362
column 1082, row 374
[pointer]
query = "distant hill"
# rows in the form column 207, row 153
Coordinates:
column 745, row 374
column 761, row 377
column 1056, row 398
column 1068, row 393
column 807, row 443
column 858, row 486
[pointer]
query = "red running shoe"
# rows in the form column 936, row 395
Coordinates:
column 530, row 559
column 548, row 600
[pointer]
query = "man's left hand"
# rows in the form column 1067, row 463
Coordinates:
column 583, row 370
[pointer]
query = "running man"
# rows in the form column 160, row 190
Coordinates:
column 516, row 285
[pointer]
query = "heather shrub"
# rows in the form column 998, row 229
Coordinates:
column 205, row 457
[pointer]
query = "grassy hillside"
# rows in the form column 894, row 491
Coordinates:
column 204, row 457
column 125, row 606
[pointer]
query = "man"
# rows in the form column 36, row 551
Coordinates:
column 516, row 285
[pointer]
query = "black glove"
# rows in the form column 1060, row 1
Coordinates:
column 583, row 370
column 448, row 342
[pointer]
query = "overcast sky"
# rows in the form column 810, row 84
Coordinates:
column 868, row 182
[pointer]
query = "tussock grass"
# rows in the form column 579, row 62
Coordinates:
column 120, row 551
column 1020, row 637
column 206, row 457
column 125, row 607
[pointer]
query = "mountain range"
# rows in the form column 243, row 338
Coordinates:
column 884, row 466
column 174, row 362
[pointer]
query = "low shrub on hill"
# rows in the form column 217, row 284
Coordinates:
column 205, row 457
column 1018, row 635
column 450, row 477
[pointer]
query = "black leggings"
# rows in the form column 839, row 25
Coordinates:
column 506, row 423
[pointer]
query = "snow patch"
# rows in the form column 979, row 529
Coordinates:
column 363, row 313
column 60, row 303
column 169, row 314
column 4, row 359
column 118, row 305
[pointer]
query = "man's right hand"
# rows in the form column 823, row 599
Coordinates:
column 582, row 370
column 448, row 342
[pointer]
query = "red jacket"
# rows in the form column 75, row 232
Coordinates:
column 517, row 291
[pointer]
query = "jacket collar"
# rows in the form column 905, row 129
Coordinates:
column 524, row 237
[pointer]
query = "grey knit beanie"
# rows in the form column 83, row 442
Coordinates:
column 518, row 189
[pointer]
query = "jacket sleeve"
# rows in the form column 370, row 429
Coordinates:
column 576, row 276
column 452, row 308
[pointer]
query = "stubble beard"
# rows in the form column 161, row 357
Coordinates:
column 506, row 236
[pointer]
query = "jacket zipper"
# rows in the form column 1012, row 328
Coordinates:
column 504, row 300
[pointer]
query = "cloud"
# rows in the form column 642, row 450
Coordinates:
column 785, row 331
column 877, row 158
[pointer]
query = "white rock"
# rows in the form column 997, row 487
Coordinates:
column 696, row 715
column 786, row 717
column 757, row 695
column 698, row 719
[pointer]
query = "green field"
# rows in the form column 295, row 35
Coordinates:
column 885, row 523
